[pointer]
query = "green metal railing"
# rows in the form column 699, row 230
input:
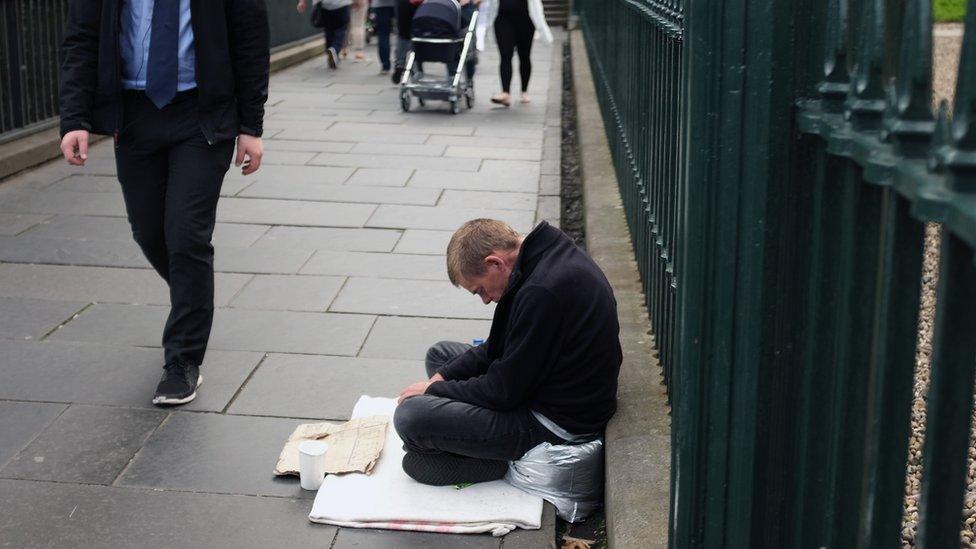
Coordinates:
column 638, row 67
column 777, row 200
column 30, row 36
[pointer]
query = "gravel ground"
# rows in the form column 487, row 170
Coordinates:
column 948, row 40
column 571, row 187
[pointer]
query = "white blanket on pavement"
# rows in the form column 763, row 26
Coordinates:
column 389, row 499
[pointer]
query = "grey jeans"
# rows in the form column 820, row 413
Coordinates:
column 449, row 441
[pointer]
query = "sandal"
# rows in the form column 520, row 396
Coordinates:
column 502, row 99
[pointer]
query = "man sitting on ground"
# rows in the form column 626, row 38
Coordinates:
column 547, row 373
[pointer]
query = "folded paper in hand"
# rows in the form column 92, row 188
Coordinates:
column 354, row 446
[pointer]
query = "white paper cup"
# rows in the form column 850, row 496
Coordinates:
column 311, row 463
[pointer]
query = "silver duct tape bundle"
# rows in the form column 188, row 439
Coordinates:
column 568, row 476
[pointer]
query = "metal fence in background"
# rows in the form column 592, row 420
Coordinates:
column 30, row 42
column 30, row 37
column 636, row 52
column 778, row 161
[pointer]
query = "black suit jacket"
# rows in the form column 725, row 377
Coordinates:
column 231, row 42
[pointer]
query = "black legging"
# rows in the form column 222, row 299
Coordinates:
column 514, row 29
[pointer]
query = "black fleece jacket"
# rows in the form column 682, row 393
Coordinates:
column 554, row 344
column 230, row 40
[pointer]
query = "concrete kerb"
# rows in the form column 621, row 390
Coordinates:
column 37, row 148
column 638, row 438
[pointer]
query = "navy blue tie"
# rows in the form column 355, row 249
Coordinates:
column 164, row 42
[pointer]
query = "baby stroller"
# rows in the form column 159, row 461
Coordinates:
column 438, row 37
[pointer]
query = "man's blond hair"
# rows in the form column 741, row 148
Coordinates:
column 473, row 242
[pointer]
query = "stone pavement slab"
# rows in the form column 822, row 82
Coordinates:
column 317, row 174
column 289, row 293
column 70, row 283
column 423, row 241
column 528, row 181
column 23, row 318
column 351, row 538
column 443, row 218
column 376, row 265
column 403, row 161
column 20, row 422
column 341, row 193
column 116, row 229
column 14, row 224
column 85, row 444
column 293, row 212
column 495, row 200
column 345, row 136
column 87, row 373
column 59, row 251
column 380, row 177
column 325, row 238
column 62, row 202
column 309, row 146
column 409, row 337
column 216, row 453
column 408, row 298
column 233, row 329
column 78, row 515
column 317, row 387
column 260, row 260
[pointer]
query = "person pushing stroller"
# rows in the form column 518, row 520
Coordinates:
column 440, row 35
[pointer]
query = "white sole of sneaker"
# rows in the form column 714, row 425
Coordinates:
column 175, row 401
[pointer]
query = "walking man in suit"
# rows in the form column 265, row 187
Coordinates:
column 177, row 83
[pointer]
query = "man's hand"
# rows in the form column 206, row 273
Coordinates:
column 301, row 6
column 74, row 147
column 418, row 388
column 250, row 147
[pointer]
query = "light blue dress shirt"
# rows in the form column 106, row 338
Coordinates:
column 136, row 32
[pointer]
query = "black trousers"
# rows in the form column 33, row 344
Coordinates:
column 336, row 28
column 514, row 30
column 171, row 180
column 455, row 435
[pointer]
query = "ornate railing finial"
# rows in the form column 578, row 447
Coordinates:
column 837, row 82
column 960, row 155
column 910, row 123
column 866, row 100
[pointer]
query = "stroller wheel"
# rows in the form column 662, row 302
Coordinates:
column 405, row 101
column 455, row 106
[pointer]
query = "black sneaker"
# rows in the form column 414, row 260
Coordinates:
column 396, row 75
column 332, row 57
column 178, row 384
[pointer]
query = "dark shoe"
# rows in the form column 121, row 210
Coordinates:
column 332, row 58
column 178, row 384
column 397, row 75
column 449, row 469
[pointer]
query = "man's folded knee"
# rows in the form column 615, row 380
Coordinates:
column 408, row 418
column 438, row 351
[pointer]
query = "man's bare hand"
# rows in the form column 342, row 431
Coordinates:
column 74, row 147
column 418, row 388
column 250, row 149
column 301, row 6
